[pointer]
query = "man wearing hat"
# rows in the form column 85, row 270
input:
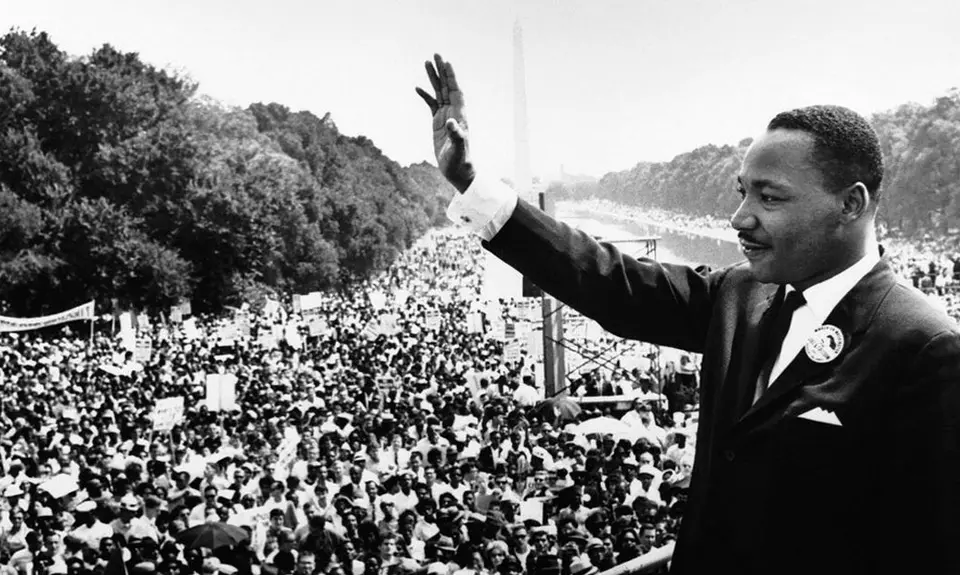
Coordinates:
column 129, row 510
column 88, row 527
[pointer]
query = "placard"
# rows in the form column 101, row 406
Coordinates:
column 378, row 300
column 474, row 323
column 389, row 324
column 167, row 414
column 511, row 352
column 318, row 327
column 143, row 350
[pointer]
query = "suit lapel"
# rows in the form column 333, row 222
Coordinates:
column 852, row 316
column 757, row 321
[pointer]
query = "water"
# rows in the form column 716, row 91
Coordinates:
column 673, row 246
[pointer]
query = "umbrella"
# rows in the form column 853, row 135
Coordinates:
column 211, row 535
column 603, row 426
column 563, row 408
column 59, row 486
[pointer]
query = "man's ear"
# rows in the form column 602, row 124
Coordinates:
column 856, row 202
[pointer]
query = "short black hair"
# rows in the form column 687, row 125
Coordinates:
column 845, row 147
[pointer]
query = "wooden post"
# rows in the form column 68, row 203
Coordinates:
column 554, row 366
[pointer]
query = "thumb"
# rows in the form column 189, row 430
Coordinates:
column 455, row 130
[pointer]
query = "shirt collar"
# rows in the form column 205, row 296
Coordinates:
column 824, row 296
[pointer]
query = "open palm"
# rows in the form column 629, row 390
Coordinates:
column 450, row 136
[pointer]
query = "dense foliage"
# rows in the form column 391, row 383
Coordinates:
column 921, row 189
column 118, row 183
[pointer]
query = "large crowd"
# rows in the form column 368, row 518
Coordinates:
column 400, row 426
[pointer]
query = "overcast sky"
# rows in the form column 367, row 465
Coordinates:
column 609, row 83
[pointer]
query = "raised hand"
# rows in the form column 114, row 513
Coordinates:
column 450, row 136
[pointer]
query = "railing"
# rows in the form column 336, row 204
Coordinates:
column 646, row 563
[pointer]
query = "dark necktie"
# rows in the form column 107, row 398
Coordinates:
column 771, row 339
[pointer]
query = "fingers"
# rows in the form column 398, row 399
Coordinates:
column 434, row 78
column 429, row 100
column 450, row 78
column 444, row 95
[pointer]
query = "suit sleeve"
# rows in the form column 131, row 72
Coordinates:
column 633, row 298
column 925, row 451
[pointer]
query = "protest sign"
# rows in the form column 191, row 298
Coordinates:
column 389, row 324
column 310, row 301
column 378, row 300
column 531, row 509
column 167, row 414
column 387, row 382
column 370, row 331
column 221, row 392
column 318, row 327
column 474, row 323
column 227, row 335
column 497, row 330
column 267, row 339
column 83, row 312
column 511, row 352
column 143, row 349
column 297, row 305
column 292, row 336
column 190, row 330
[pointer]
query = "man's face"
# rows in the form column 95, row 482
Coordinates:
column 789, row 224
column 306, row 565
column 648, row 537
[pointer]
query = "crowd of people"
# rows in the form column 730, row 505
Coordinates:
column 389, row 428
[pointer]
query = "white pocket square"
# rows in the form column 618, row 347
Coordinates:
column 821, row 415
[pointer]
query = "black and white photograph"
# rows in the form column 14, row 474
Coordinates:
column 512, row 287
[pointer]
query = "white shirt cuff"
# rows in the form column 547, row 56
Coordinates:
column 484, row 208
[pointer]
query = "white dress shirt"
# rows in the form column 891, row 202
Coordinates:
column 820, row 301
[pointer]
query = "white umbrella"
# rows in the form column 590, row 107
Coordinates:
column 603, row 426
column 59, row 485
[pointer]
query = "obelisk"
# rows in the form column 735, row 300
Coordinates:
column 523, row 180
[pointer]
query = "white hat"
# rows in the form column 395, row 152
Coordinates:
column 648, row 470
column 130, row 503
column 13, row 491
column 86, row 507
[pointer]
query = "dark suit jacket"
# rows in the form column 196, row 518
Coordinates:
column 773, row 493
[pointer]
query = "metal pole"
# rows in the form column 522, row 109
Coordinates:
column 554, row 367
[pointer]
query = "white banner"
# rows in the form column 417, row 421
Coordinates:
column 84, row 311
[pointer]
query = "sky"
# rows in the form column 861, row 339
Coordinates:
column 609, row 83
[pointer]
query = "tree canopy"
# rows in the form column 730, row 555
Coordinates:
column 117, row 182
